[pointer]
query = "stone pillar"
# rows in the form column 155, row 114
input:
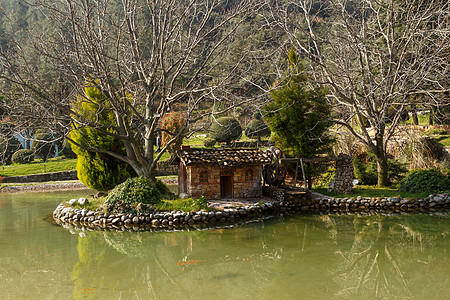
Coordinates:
column 343, row 181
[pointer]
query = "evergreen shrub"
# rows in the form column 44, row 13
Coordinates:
column 101, row 172
column 43, row 145
column 98, row 171
column 134, row 191
column 8, row 146
column 209, row 142
column 67, row 151
column 225, row 130
column 22, row 156
column 256, row 128
column 419, row 180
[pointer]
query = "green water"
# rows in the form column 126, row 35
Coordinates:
column 301, row 257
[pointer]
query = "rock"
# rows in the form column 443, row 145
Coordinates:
column 135, row 220
column 83, row 201
column 72, row 202
column 155, row 222
column 197, row 218
column 183, row 196
column 127, row 222
column 116, row 220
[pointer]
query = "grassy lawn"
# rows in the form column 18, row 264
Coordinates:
column 444, row 140
column 372, row 191
column 38, row 167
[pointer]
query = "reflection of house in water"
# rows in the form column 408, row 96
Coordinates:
column 220, row 173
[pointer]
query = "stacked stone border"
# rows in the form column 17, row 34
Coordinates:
column 284, row 201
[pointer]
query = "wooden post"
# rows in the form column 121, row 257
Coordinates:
column 296, row 171
column 303, row 172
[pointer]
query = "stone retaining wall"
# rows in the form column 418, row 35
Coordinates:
column 75, row 217
column 164, row 168
column 45, row 177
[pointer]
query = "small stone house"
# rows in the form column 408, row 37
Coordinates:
column 220, row 173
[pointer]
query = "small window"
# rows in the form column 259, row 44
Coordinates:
column 249, row 175
column 204, row 176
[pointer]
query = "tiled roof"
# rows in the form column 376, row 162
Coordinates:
column 222, row 157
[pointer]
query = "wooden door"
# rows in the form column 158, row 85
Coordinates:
column 226, row 187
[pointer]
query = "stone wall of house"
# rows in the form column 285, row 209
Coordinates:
column 204, row 180
column 247, row 182
column 209, row 186
column 343, row 181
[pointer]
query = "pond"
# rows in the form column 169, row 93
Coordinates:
column 297, row 257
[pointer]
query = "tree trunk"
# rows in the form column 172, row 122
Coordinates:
column 414, row 115
column 381, row 158
column 382, row 167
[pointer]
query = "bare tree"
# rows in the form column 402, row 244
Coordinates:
column 375, row 57
column 145, row 57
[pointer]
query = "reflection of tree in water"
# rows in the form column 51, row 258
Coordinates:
column 378, row 265
column 311, row 257
column 181, row 264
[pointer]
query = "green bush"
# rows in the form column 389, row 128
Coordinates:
column 101, row 172
column 8, row 146
column 188, row 204
column 431, row 181
column 225, row 130
column 43, row 145
column 22, row 156
column 256, row 128
column 130, row 194
column 435, row 131
column 209, row 142
column 365, row 169
column 66, row 150
column 326, row 178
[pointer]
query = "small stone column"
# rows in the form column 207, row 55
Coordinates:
column 343, row 181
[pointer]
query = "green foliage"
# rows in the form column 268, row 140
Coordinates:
column 43, row 145
column 22, row 156
column 431, row 181
column 444, row 140
column 225, row 130
column 326, row 178
column 101, row 172
column 209, row 142
column 173, row 122
column 299, row 116
column 188, row 204
column 134, row 191
column 374, row 192
column 257, row 128
column 8, row 146
column 98, row 171
column 66, row 150
column 435, row 131
column 366, row 170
